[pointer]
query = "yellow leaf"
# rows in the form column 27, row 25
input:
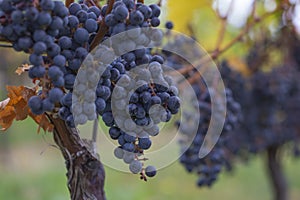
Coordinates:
column 182, row 13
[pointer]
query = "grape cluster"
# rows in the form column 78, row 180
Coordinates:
column 57, row 39
column 268, row 103
column 151, row 100
column 210, row 166
column 193, row 127
column 133, row 95
column 123, row 81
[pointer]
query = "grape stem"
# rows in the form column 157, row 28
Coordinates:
column 69, row 2
column 95, row 132
column 215, row 54
column 276, row 174
column 103, row 28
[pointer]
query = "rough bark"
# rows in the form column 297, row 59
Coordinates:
column 276, row 174
column 85, row 172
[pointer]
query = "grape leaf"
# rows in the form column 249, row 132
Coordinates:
column 15, row 107
column 7, row 116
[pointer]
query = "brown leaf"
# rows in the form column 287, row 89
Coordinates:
column 16, row 108
column 7, row 117
column 43, row 122
column 4, row 103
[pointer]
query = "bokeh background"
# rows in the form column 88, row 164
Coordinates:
column 31, row 167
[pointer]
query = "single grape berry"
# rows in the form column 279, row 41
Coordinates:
column 135, row 167
column 150, row 171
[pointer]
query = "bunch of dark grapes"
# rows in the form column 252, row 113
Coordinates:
column 210, row 166
column 193, row 127
column 269, row 106
column 58, row 40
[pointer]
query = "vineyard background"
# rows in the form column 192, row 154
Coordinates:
column 32, row 168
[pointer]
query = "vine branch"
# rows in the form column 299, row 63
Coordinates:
column 276, row 174
column 103, row 27
column 85, row 171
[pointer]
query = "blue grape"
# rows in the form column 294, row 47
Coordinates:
column 129, row 138
column 81, row 53
column 135, row 167
column 44, row 18
column 59, row 61
column 74, row 64
column 155, row 10
column 57, row 23
column 36, row 59
column 60, row 9
column 121, row 140
column 74, row 8
column 120, row 12
column 91, row 25
column 169, row 25
column 146, row 10
column 81, row 35
column 25, row 43
column 66, row 100
column 119, row 153
column 136, row 17
column 47, row 5
column 53, row 50
column 55, row 95
column 110, row 20
column 59, row 82
column 108, row 118
column 35, row 104
column 55, row 72
column 73, row 21
column 100, row 105
column 82, row 16
column 69, row 81
column 145, row 143
column 114, row 133
column 150, row 171
column 31, row 14
column 17, row 16
column 39, row 48
column 128, row 146
column 47, row 105
column 155, row 22
column 37, row 72
column 95, row 10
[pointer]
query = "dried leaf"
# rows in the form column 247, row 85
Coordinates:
column 7, row 116
column 22, row 69
column 15, row 107
column 43, row 122
column 4, row 103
